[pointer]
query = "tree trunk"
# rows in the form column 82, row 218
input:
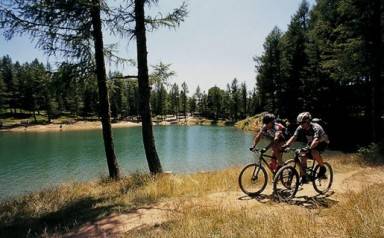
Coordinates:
column 34, row 116
column 105, row 112
column 48, row 108
column 376, row 54
column 144, row 90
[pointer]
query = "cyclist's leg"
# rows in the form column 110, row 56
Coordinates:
column 276, row 153
column 303, row 166
column 273, row 165
column 316, row 156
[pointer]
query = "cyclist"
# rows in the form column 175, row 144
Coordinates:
column 317, row 142
column 274, row 132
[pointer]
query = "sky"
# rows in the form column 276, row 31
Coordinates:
column 215, row 44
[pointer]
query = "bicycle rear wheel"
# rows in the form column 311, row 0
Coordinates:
column 290, row 162
column 253, row 179
column 286, row 183
column 324, row 183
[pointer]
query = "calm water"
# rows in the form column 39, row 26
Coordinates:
column 31, row 161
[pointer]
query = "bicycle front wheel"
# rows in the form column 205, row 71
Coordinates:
column 253, row 179
column 322, row 184
column 286, row 183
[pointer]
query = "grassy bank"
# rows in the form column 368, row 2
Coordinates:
column 67, row 207
column 253, row 123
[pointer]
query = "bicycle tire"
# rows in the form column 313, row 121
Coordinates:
column 315, row 179
column 290, row 161
column 244, row 177
column 282, row 195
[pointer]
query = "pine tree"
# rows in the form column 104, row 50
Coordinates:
column 235, row 99
column 294, row 61
column 184, row 99
column 175, row 100
column 243, row 98
column 215, row 102
column 72, row 29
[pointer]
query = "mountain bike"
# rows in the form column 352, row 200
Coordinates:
column 253, row 177
column 285, row 175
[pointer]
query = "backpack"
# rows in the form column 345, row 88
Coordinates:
column 285, row 128
column 321, row 122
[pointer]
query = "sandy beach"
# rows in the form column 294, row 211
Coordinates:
column 93, row 125
column 79, row 125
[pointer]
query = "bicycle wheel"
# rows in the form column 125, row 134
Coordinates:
column 286, row 183
column 323, row 184
column 290, row 162
column 253, row 179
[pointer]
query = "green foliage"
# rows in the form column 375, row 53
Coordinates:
column 328, row 62
column 2, row 92
column 184, row 98
column 159, row 80
column 269, row 78
column 372, row 153
column 174, row 97
column 34, row 87
column 215, row 102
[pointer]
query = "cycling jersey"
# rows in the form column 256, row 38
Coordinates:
column 271, row 133
column 315, row 131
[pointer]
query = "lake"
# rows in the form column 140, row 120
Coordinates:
column 32, row 161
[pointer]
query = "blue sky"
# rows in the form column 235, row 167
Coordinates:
column 215, row 44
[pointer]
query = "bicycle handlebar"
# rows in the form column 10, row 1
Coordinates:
column 286, row 149
column 304, row 150
column 262, row 150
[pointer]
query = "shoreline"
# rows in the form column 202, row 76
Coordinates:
column 94, row 125
column 76, row 126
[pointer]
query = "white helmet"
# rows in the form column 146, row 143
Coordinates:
column 304, row 116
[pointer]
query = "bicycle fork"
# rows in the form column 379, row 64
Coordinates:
column 256, row 173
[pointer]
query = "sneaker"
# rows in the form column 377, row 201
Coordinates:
column 321, row 174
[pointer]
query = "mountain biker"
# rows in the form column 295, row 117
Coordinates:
column 317, row 141
column 274, row 132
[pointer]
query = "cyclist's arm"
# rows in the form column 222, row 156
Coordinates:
column 290, row 141
column 314, row 143
column 278, row 135
column 294, row 137
column 257, row 138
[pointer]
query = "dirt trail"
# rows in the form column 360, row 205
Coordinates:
column 115, row 224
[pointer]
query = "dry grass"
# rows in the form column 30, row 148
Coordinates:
column 65, row 207
column 361, row 215
column 344, row 162
column 251, row 123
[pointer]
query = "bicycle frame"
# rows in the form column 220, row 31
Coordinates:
column 260, row 160
column 298, row 158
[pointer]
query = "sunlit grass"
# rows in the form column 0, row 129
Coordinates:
column 250, row 123
column 68, row 205
column 62, row 208
column 361, row 215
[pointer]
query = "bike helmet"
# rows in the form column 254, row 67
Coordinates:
column 268, row 117
column 304, row 116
